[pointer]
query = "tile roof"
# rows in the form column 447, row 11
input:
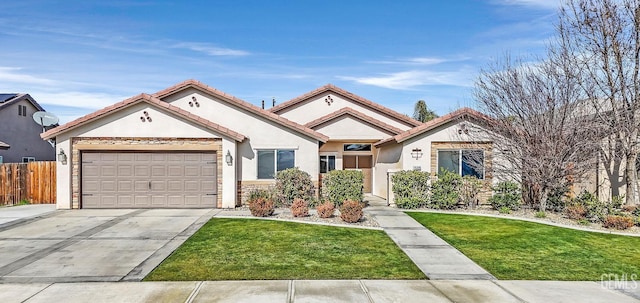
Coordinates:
column 152, row 101
column 362, row 101
column 351, row 112
column 4, row 145
column 462, row 113
column 242, row 104
column 18, row 98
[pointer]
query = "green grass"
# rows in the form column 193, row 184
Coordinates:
column 247, row 249
column 519, row 250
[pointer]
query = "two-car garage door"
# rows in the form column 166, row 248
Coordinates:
column 148, row 180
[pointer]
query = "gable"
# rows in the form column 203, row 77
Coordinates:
column 143, row 120
column 357, row 129
column 134, row 117
column 329, row 98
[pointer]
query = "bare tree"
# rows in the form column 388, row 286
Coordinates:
column 539, row 125
column 601, row 37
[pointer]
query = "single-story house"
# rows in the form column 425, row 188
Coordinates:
column 191, row 145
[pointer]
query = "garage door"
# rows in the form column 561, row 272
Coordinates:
column 148, row 180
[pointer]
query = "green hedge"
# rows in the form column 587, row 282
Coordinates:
column 341, row 185
column 410, row 188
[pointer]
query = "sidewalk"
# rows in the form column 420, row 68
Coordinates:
column 435, row 257
column 288, row 291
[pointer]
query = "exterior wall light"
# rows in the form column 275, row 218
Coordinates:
column 416, row 153
column 228, row 158
column 62, row 157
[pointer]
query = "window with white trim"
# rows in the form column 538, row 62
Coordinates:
column 465, row 162
column 327, row 163
column 271, row 161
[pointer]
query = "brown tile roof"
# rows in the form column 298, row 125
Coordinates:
column 244, row 105
column 4, row 145
column 351, row 112
column 455, row 115
column 367, row 103
column 152, row 101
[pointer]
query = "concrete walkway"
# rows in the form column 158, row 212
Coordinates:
column 435, row 257
column 11, row 215
column 288, row 291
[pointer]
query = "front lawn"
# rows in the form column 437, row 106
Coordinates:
column 519, row 250
column 249, row 249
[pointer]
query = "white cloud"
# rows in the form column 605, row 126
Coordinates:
column 427, row 60
column 14, row 74
column 410, row 79
column 87, row 100
column 547, row 4
column 210, row 50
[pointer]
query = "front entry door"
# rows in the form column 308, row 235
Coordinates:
column 363, row 163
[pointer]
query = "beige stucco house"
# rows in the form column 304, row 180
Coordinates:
column 191, row 145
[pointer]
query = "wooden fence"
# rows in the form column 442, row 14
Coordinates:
column 34, row 182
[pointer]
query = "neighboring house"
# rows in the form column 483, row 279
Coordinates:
column 19, row 134
column 193, row 146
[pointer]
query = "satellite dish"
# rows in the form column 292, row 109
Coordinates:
column 45, row 119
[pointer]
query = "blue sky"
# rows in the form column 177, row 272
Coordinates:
column 75, row 57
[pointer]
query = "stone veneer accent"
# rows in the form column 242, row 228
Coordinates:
column 80, row 144
column 485, row 192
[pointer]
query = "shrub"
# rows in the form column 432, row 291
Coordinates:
column 636, row 212
column 261, row 207
column 293, row 184
column 410, row 188
column 260, row 193
column 325, row 210
column 506, row 194
column 445, row 191
column 576, row 212
column 351, row 211
column 630, row 209
column 504, row 210
column 618, row 222
column 341, row 185
column 596, row 210
column 299, row 208
column 541, row 214
column 557, row 199
column 469, row 190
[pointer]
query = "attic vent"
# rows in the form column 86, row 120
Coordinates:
column 194, row 101
column 329, row 100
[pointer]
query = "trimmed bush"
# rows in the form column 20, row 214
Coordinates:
column 469, row 190
column 506, row 194
column 445, row 191
column 262, row 207
column 576, row 212
column 351, row 211
column 260, row 193
column 410, row 188
column 293, row 184
column 618, row 222
column 326, row 210
column 341, row 185
column 299, row 208
column 541, row 214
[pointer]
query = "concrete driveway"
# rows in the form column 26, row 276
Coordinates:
column 94, row 245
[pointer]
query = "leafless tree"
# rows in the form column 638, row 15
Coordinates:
column 601, row 38
column 538, row 126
